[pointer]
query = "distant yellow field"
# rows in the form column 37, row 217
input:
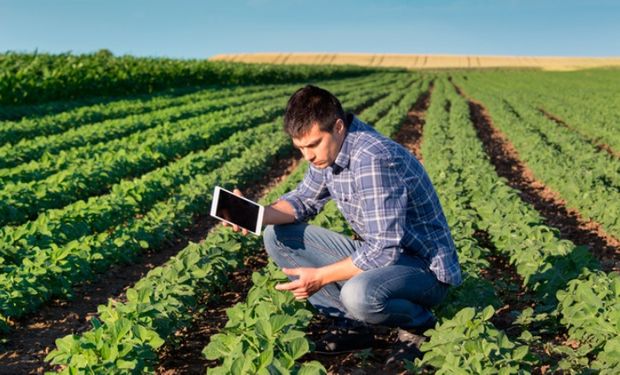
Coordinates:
column 424, row 61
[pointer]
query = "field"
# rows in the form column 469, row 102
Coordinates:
column 424, row 61
column 110, row 263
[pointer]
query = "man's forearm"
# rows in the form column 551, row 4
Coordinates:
column 339, row 271
column 280, row 212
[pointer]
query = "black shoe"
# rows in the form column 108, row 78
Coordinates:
column 420, row 330
column 345, row 340
column 408, row 343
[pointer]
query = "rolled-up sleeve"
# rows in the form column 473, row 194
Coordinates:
column 310, row 195
column 383, row 198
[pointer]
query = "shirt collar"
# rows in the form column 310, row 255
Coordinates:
column 344, row 156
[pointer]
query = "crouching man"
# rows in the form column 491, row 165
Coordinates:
column 406, row 258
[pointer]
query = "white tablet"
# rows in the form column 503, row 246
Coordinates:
column 233, row 209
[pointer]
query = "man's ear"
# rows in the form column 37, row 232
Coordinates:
column 340, row 126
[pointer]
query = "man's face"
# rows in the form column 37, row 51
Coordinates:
column 321, row 148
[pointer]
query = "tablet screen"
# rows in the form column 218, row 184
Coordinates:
column 237, row 210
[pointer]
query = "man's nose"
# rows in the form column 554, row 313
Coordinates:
column 308, row 155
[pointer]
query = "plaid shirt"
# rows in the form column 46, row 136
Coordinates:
column 387, row 198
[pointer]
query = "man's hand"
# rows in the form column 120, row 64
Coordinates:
column 312, row 279
column 308, row 283
column 235, row 227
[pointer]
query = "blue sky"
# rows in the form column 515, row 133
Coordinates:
column 199, row 29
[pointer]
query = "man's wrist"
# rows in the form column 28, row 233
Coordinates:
column 322, row 275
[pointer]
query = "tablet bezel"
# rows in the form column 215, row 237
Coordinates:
column 259, row 219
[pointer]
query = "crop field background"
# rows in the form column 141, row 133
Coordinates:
column 109, row 263
column 412, row 61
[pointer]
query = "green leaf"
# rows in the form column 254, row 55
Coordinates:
column 263, row 329
column 312, row 368
column 280, row 321
column 126, row 365
column 265, row 358
column 291, row 335
column 298, row 347
column 520, row 352
column 487, row 313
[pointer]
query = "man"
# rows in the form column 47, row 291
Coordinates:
column 406, row 259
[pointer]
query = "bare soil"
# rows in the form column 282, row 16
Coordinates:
column 410, row 133
column 369, row 361
column 507, row 284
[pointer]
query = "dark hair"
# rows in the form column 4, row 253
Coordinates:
column 309, row 105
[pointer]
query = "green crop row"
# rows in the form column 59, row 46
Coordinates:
column 589, row 102
column 126, row 199
column 586, row 179
column 25, row 201
column 22, row 201
column 590, row 308
column 390, row 123
column 35, row 280
column 465, row 340
column 14, row 131
column 605, row 168
column 53, row 270
column 381, row 107
column 37, row 78
column 98, row 213
column 545, row 262
column 53, row 163
column 264, row 334
column 515, row 228
column 30, row 149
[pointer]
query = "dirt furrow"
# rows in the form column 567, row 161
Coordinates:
column 599, row 146
column 553, row 209
column 410, row 133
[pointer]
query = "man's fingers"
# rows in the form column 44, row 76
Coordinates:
column 301, row 295
column 291, row 271
column 237, row 192
column 289, row 286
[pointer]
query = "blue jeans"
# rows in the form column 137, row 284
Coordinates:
column 399, row 295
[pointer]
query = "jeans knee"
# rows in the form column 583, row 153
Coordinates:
column 275, row 249
column 359, row 302
column 270, row 239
